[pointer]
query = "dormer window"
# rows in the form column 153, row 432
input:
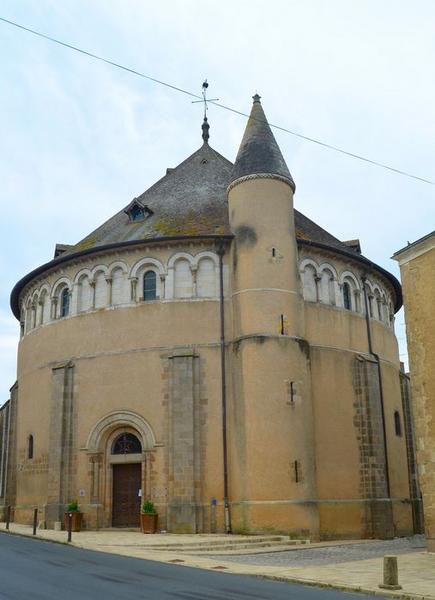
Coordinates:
column 138, row 211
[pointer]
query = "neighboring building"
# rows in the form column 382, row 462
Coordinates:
column 219, row 351
column 417, row 267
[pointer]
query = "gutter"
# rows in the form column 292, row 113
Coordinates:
column 227, row 511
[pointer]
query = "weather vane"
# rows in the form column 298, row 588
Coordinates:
column 205, row 99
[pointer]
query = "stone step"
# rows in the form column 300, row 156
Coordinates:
column 269, row 549
column 231, row 547
column 230, row 541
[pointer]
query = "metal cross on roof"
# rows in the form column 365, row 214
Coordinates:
column 205, row 125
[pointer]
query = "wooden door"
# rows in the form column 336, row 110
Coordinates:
column 126, row 499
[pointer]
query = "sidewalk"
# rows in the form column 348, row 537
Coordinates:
column 416, row 569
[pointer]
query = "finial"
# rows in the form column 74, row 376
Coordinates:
column 256, row 98
column 205, row 126
column 205, row 129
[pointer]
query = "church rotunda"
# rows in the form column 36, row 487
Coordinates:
column 213, row 350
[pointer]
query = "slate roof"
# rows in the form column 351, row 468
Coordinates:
column 259, row 151
column 189, row 200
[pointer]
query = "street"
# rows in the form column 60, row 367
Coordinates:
column 45, row 571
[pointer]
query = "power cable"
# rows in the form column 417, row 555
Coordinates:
column 215, row 103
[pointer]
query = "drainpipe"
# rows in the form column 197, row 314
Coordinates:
column 381, row 390
column 227, row 512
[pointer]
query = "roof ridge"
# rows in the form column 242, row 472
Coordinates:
column 181, row 164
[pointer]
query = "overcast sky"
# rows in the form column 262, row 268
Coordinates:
column 79, row 139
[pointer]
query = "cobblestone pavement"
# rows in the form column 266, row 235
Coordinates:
column 331, row 554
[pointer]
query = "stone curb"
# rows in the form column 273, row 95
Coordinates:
column 35, row 537
column 283, row 578
column 344, row 588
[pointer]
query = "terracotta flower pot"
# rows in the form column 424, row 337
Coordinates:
column 77, row 518
column 148, row 522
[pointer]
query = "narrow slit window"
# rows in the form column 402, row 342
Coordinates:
column 30, row 447
column 297, row 470
column 397, row 423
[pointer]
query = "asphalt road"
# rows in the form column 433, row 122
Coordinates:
column 44, row 571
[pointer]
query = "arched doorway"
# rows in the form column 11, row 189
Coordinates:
column 126, row 480
column 119, row 449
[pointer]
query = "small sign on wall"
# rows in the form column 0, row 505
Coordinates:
column 82, row 493
column 139, row 493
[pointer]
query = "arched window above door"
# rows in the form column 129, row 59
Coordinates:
column 126, row 443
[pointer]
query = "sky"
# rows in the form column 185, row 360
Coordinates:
column 79, row 138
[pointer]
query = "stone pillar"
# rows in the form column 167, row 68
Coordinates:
column 62, row 444
column 183, row 459
column 378, row 518
column 391, row 574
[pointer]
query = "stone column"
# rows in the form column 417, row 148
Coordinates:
column 146, row 492
column 53, row 311
column 194, row 271
column 109, row 290
column 133, row 282
column 169, row 283
column 317, row 280
column 162, row 285
column 95, row 461
column 92, row 286
column 74, row 302
column 41, row 312
column 357, row 300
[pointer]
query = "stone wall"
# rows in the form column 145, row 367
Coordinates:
column 417, row 266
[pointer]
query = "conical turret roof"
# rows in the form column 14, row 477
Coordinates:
column 259, row 152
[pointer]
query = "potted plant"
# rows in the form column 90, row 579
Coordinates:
column 148, row 517
column 77, row 516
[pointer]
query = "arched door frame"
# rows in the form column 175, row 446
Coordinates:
column 99, row 449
